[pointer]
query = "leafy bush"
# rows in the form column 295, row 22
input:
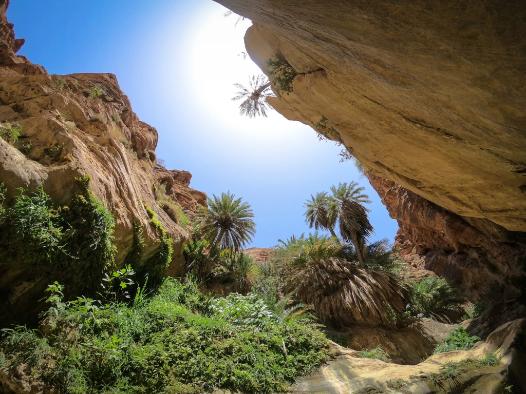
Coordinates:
column 155, row 268
column 267, row 285
column 10, row 132
column 32, row 230
column 73, row 242
column 96, row 91
column 434, row 297
column 377, row 353
column 198, row 258
column 236, row 268
column 176, row 341
column 458, row 339
column 118, row 285
column 281, row 73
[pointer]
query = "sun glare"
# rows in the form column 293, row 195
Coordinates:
column 216, row 60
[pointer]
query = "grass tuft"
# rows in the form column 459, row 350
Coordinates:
column 377, row 353
column 458, row 339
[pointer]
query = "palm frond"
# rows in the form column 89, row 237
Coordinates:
column 228, row 223
column 342, row 293
column 254, row 97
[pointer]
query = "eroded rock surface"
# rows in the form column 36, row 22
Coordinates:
column 75, row 125
column 428, row 96
column 449, row 372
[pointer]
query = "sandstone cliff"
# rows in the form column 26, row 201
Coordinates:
column 429, row 97
column 83, row 124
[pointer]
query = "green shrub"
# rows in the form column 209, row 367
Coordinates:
column 134, row 256
column 118, row 285
column 96, row 91
column 236, row 268
column 434, row 297
column 154, row 269
column 91, row 241
column 176, row 341
column 458, row 339
column 377, row 353
column 10, row 132
column 71, row 242
column 281, row 73
column 32, row 231
column 267, row 285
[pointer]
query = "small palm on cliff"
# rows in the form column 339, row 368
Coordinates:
column 228, row 223
column 345, row 207
column 254, row 97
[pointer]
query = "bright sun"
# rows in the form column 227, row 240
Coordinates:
column 217, row 60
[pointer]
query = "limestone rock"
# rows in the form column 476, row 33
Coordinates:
column 428, row 96
column 82, row 124
column 348, row 373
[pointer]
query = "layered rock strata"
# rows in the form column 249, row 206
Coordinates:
column 78, row 125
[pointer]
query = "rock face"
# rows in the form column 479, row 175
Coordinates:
column 450, row 372
column 83, row 124
column 428, row 96
column 467, row 251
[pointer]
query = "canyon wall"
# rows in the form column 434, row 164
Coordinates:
column 78, row 125
column 430, row 98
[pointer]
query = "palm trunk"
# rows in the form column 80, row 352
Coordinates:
column 359, row 247
column 333, row 233
column 260, row 90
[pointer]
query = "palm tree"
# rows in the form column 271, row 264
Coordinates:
column 321, row 212
column 254, row 97
column 344, row 294
column 344, row 207
column 228, row 223
column 355, row 226
column 350, row 191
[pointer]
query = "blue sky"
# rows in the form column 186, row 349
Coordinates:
column 177, row 62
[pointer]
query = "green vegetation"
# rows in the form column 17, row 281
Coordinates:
column 154, row 269
column 343, row 208
column 54, row 151
column 319, row 272
column 10, row 132
column 228, row 222
column 282, row 74
column 96, row 91
column 377, row 353
column 74, row 241
column 434, row 297
column 458, row 339
column 134, row 256
column 450, row 373
column 176, row 341
column 211, row 266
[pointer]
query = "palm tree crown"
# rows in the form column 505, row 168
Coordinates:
column 228, row 223
column 350, row 192
column 343, row 206
column 254, row 97
column 321, row 212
